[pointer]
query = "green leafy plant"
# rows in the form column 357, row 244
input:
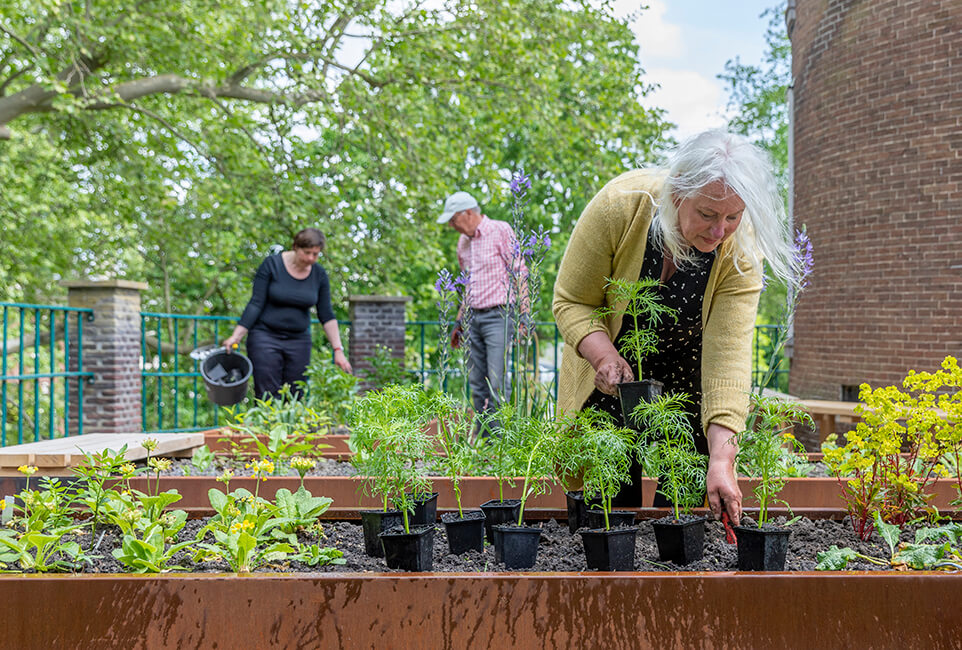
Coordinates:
column 387, row 370
column 591, row 446
column 299, row 510
column 531, row 442
column 666, row 446
column 202, row 459
column 388, row 435
column 149, row 553
column 454, row 429
column 639, row 301
column 314, row 555
column 943, row 554
column 40, row 551
column 764, row 448
column 94, row 472
column 891, row 459
column 246, row 531
column 329, row 390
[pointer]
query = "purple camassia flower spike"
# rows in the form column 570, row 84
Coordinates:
column 520, row 183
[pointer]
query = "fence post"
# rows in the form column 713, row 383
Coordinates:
column 375, row 320
column 111, row 351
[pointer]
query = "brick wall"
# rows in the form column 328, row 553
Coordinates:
column 375, row 320
column 111, row 350
column 878, row 181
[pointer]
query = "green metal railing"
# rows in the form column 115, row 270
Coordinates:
column 762, row 349
column 42, row 374
column 174, row 398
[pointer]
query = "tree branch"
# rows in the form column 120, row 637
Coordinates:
column 21, row 40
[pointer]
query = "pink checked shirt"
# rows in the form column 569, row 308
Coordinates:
column 486, row 257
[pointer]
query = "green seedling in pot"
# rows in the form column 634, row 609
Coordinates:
column 532, row 443
column 600, row 452
column 388, row 434
column 637, row 300
column 764, row 447
column 454, row 429
column 667, row 449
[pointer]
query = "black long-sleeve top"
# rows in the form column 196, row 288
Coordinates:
column 282, row 303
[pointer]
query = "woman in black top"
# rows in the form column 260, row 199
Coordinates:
column 277, row 320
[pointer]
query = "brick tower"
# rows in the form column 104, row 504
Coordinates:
column 877, row 135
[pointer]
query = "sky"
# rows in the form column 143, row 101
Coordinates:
column 685, row 43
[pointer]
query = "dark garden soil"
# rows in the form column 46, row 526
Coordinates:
column 558, row 550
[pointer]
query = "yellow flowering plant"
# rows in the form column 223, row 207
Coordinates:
column 890, row 461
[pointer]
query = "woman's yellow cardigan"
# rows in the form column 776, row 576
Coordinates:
column 609, row 242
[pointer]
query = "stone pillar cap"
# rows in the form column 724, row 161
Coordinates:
column 104, row 284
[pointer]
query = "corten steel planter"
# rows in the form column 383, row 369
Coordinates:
column 818, row 494
column 650, row 610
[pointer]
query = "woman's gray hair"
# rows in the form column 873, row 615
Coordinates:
column 746, row 169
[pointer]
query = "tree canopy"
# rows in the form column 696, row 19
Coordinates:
column 175, row 142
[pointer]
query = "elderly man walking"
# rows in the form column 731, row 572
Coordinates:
column 487, row 251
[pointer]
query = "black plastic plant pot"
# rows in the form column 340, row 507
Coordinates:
column 610, row 550
column 375, row 522
column 425, row 510
column 762, row 549
column 575, row 501
column 616, row 518
column 499, row 512
column 413, row 551
column 516, row 546
column 464, row 533
column 633, row 393
column 681, row 541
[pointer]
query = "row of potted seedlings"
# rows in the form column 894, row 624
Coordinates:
column 586, row 450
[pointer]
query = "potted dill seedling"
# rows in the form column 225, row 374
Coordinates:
column 636, row 300
column 388, row 438
column 464, row 528
column 605, row 453
column 667, row 447
column 570, row 459
column 532, row 441
column 503, row 467
column 762, row 445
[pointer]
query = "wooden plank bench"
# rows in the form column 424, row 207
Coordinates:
column 827, row 413
column 56, row 457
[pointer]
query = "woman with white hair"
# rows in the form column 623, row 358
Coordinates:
column 702, row 228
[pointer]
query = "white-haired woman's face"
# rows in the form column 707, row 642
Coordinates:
column 710, row 217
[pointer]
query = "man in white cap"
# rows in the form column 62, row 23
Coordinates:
column 487, row 251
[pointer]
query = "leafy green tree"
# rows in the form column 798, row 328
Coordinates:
column 758, row 95
column 176, row 142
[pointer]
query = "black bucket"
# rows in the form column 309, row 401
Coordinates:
column 226, row 377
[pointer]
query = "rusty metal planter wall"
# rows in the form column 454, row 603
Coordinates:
column 866, row 610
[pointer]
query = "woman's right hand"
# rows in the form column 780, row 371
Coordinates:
column 610, row 372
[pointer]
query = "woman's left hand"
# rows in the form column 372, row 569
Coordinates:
column 721, row 483
column 341, row 361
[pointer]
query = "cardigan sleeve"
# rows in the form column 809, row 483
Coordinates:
column 587, row 263
column 726, row 360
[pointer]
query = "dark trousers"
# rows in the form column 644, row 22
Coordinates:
column 278, row 359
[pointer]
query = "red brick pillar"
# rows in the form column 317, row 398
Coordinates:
column 111, row 351
column 375, row 320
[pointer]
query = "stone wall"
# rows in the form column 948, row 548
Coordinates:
column 375, row 320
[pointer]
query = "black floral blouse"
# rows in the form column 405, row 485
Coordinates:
column 677, row 363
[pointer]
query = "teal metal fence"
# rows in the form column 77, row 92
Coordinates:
column 174, row 398
column 763, row 359
column 42, row 374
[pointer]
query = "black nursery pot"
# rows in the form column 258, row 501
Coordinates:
column 375, row 522
column 632, row 393
column 425, row 510
column 516, row 546
column 464, row 533
column 413, row 551
column 575, row 501
column 616, row 518
column 762, row 549
column 610, row 550
column 681, row 541
column 499, row 512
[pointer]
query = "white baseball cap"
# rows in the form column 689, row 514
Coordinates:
column 456, row 203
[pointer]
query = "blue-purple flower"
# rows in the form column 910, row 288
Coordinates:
column 445, row 282
column 520, row 183
column 803, row 257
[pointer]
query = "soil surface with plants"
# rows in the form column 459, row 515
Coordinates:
column 558, row 550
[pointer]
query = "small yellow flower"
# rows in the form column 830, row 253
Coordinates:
column 241, row 526
column 29, row 470
column 149, row 444
column 128, row 469
column 302, row 464
column 159, row 464
column 226, row 476
column 133, row 514
column 3, row 505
